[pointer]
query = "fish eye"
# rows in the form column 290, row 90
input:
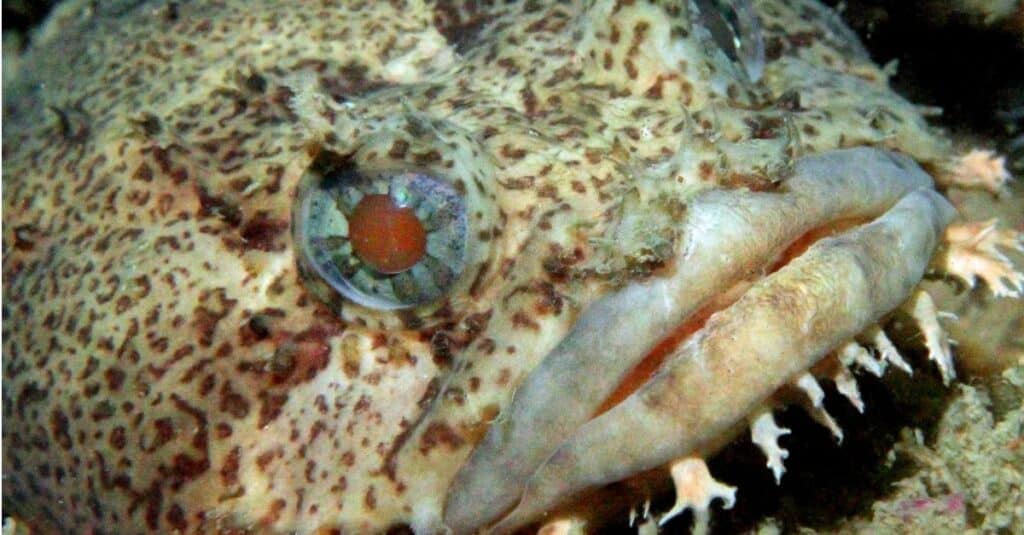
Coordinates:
column 385, row 239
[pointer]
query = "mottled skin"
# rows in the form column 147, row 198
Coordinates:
column 167, row 366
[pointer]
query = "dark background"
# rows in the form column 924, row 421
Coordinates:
column 974, row 72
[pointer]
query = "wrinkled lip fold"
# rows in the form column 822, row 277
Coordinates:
column 549, row 445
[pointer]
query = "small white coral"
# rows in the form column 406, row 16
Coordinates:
column 695, row 489
column 765, row 433
column 972, row 252
column 978, row 169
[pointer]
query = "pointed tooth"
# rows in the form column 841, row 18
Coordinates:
column 927, row 317
column 824, row 418
column 646, row 524
column 695, row 490
column 765, row 433
column 846, row 384
column 852, row 352
column 816, row 405
column 887, row 350
column 811, row 388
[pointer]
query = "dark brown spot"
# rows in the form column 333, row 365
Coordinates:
column 427, row 157
column 706, row 170
column 522, row 321
column 223, row 430
column 270, row 407
column 264, row 459
column 255, row 83
column 529, row 101
column 487, row 346
column 213, row 206
column 59, row 428
column 439, row 434
column 801, row 39
column 398, row 149
column 550, row 301
column 263, row 233
column 790, row 101
column 206, row 316
column 117, row 438
column 176, row 517
column 232, row 402
column 143, row 173
column 441, row 345
column 25, row 237
column 229, row 470
column 655, row 92
column 370, row 500
column 103, row 410
column 164, row 432
column 512, row 153
column 149, row 124
column 30, row 394
column 274, row 512
column 631, row 69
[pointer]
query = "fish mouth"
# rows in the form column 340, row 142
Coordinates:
column 763, row 286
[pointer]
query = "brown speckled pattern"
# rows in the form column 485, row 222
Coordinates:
column 165, row 367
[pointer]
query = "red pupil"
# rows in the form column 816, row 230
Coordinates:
column 387, row 237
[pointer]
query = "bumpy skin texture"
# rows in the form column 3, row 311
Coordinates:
column 166, row 366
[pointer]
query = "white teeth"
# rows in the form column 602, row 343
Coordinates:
column 644, row 515
column 846, row 384
column 886, row 349
column 695, row 489
column 816, row 404
column 922, row 308
column 852, row 352
column 765, row 433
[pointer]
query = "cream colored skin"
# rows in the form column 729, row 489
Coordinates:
column 168, row 367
